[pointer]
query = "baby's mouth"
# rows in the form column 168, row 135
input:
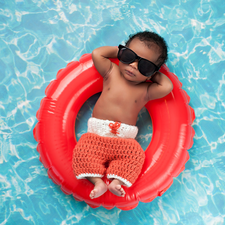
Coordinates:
column 129, row 73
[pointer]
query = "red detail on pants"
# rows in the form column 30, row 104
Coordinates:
column 114, row 127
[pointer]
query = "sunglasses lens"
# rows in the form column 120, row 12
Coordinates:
column 146, row 68
column 126, row 56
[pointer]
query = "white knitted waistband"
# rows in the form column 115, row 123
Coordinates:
column 107, row 128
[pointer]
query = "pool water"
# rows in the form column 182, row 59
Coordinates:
column 39, row 37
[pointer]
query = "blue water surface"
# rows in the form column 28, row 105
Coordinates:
column 39, row 37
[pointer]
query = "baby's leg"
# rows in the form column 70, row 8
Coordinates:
column 100, row 187
column 126, row 166
column 116, row 188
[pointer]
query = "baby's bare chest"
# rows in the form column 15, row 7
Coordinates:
column 124, row 95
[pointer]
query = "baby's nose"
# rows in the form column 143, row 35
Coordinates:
column 134, row 64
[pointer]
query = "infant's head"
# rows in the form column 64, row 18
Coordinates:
column 151, row 39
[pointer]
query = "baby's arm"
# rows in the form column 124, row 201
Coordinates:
column 160, row 86
column 101, row 57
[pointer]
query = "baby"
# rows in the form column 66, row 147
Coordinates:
column 109, row 147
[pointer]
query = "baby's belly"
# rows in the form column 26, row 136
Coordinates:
column 115, row 113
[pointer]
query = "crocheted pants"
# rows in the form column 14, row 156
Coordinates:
column 120, row 158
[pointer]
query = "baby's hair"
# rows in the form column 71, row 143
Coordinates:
column 149, row 37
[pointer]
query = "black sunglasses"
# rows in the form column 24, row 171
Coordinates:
column 127, row 56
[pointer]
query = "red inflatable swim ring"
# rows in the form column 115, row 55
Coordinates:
column 166, row 154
